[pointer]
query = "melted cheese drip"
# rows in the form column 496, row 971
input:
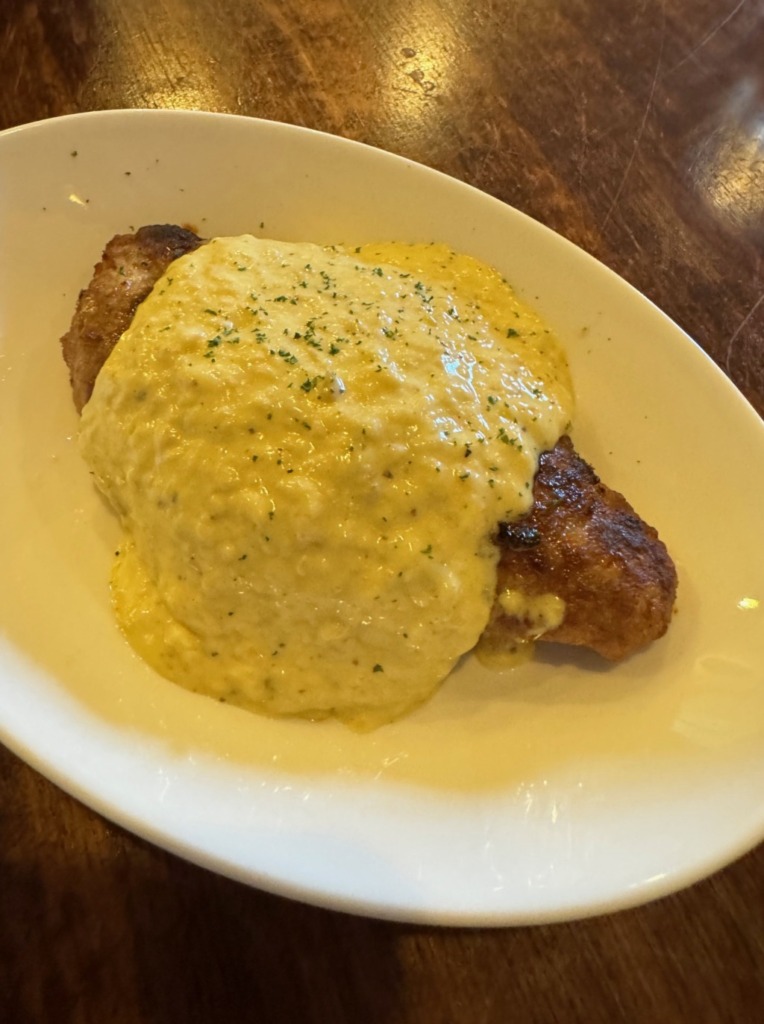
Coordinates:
column 310, row 449
column 536, row 614
column 540, row 613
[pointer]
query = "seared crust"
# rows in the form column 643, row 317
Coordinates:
column 584, row 543
column 129, row 268
column 581, row 541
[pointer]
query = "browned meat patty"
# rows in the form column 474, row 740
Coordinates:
column 585, row 543
column 129, row 268
column 581, row 541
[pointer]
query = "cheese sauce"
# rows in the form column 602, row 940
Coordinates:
column 310, row 449
column 536, row 614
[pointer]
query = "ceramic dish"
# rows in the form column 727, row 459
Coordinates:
column 558, row 790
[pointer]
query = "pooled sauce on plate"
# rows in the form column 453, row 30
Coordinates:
column 310, row 449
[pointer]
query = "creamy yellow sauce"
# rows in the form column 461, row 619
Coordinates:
column 310, row 449
column 540, row 613
column 532, row 615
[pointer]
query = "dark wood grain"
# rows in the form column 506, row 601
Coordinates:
column 634, row 129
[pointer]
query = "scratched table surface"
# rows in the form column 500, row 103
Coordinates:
column 637, row 131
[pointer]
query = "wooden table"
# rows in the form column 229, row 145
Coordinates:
column 634, row 129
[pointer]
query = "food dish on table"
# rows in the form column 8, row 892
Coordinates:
column 579, row 788
column 320, row 454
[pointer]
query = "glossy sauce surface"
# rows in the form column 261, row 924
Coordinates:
column 310, row 450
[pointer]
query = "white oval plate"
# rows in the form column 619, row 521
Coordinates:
column 559, row 790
